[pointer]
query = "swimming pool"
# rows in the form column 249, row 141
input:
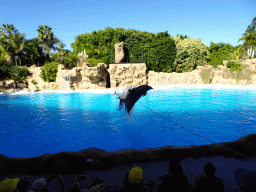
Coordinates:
column 50, row 122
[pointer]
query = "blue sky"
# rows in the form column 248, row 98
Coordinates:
column 216, row 21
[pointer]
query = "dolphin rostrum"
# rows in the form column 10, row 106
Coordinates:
column 131, row 95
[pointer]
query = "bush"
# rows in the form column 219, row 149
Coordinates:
column 94, row 62
column 33, row 81
column 70, row 60
column 220, row 52
column 190, row 54
column 18, row 74
column 234, row 66
column 5, row 69
column 49, row 71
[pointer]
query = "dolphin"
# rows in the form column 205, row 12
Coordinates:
column 124, row 96
column 131, row 95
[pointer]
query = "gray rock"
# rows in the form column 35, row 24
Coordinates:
column 119, row 52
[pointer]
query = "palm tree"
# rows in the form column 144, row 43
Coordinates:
column 253, row 42
column 47, row 38
column 17, row 43
column 5, row 49
column 12, row 43
column 34, row 50
column 18, row 75
column 5, row 55
column 250, row 41
column 8, row 29
column 61, row 51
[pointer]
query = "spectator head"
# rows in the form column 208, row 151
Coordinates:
column 209, row 169
column 23, row 184
column 245, row 179
column 9, row 185
column 239, row 174
column 39, row 185
column 135, row 175
column 175, row 167
column 97, row 181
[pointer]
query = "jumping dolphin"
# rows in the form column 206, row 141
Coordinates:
column 124, row 96
column 131, row 95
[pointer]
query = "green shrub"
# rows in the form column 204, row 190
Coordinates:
column 18, row 74
column 190, row 54
column 234, row 66
column 70, row 60
column 49, row 71
column 220, row 52
column 33, row 81
column 5, row 69
column 94, row 62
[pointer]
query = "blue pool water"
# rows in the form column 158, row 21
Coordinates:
column 50, row 122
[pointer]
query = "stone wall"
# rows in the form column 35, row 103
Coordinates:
column 128, row 74
column 135, row 74
column 207, row 75
column 160, row 79
column 79, row 78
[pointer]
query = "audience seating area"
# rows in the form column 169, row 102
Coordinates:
column 176, row 180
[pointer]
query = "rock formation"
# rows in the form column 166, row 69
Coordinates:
column 128, row 74
column 119, row 52
column 136, row 74
column 79, row 78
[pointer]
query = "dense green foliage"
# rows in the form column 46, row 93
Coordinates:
column 220, row 52
column 5, row 70
column 164, row 53
column 47, row 39
column 157, row 51
column 249, row 38
column 15, row 48
column 18, row 74
column 190, row 54
column 161, row 52
column 69, row 59
column 49, row 71
column 234, row 66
